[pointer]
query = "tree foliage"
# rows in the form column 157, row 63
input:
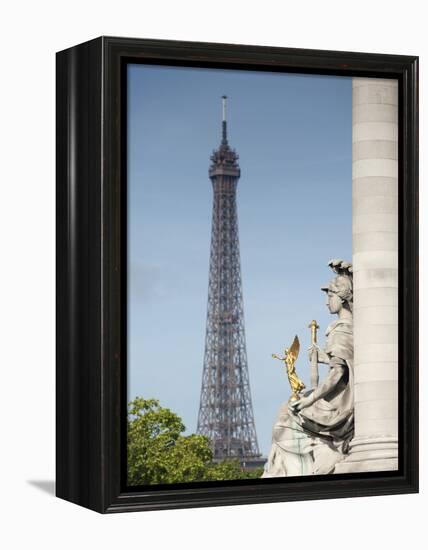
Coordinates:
column 229, row 469
column 159, row 453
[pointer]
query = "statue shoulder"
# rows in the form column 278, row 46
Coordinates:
column 339, row 326
column 340, row 340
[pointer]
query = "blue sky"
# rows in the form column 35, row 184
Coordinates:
column 293, row 137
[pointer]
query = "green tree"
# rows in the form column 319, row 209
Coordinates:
column 159, row 453
column 230, row 469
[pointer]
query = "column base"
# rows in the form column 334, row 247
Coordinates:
column 370, row 454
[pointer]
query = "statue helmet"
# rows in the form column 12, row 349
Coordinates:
column 342, row 284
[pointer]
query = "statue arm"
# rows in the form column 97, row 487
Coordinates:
column 335, row 375
column 337, row 370
column 322, row 356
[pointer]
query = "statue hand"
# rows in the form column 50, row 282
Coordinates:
column 304, row 402
column 319, row 353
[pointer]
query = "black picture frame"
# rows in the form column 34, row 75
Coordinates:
column 91, row 274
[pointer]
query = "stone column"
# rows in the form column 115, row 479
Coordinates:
column 375, row 263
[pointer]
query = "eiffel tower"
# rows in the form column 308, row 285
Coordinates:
column 225, row 410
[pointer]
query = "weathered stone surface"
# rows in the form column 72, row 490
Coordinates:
column 380, row 84
column 375, row 266
column 364, row 131
column 374, row 167
column 386, row 426
column 367, row 223
column 380, row 149
column 377, row 352
column 372, row 372
column 368, row 93
column 373, row 334
column 375, row 240
column 374, row 112
column 375, row 204
column 371, row 454
column 378, row 409
column 374, row 186
column 376, row 278
column 375, row 259
column 376, row 390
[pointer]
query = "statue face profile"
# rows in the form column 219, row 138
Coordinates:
column 340, row 289
column 334, row 302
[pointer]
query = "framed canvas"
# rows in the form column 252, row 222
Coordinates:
column 212, row 199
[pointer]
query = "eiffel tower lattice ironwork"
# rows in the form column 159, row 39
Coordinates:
column 225, row 411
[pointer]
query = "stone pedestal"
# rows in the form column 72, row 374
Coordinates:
column 375, row 263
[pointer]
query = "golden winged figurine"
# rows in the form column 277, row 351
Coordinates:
column 290, row 358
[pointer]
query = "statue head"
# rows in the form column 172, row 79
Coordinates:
column 340, row 289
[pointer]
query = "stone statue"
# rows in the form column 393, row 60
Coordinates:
column 311, row 434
